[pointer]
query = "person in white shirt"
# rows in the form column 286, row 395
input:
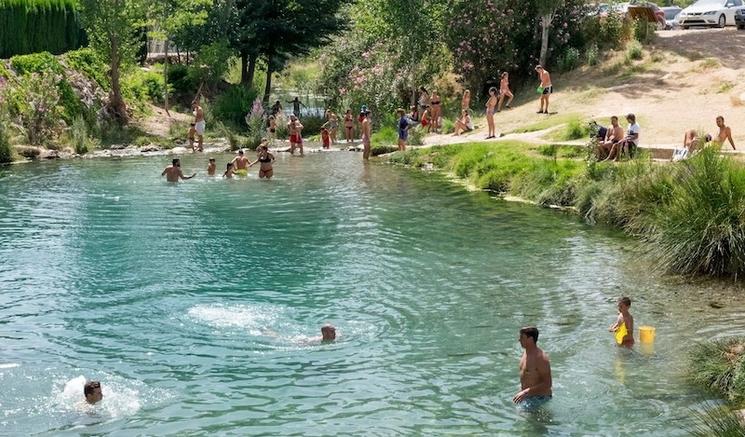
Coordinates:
column 629, row 142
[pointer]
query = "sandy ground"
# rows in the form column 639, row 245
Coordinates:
column 684, row 81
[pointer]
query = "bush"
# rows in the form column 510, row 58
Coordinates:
column 233, row 104
column 717, row 420
column 378, row 150
column 180, row 79
column 385, row 136
column 35, row 106
column 570, row 60
column 43, row 62
column 90, row 64
column 6, row 150
column 79, row 135
column 593, row 57
column 139, row 86
column 703, row 230
column 312, row 124
column 416, row 136
column 720, row 366
column 644, row 31
column 634, row 51
column 256, row 124
column 575, row 129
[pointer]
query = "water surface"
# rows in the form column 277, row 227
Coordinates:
column 195, row 305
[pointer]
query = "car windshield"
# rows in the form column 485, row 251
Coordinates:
column 709, row 3
column 671, row 13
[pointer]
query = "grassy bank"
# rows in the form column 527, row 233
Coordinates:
column 688, row 215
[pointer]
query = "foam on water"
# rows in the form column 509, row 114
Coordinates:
column 258, row 320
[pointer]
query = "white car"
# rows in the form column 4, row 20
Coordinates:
column 718, row 13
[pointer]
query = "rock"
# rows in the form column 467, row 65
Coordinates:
column 716, row 305
column 150, row 148
column 28, row 151
column 49, row 154
column 117, row 147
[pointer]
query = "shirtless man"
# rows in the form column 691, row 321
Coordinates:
column 240, row 164
column 547, row 88
column 199, row 124
column 173, row 172
column 612, row 136
column 535, row 372
column 366, row 134
column 296, row 103
column 296, row 138
column 92, row 392
column 211, row 167
column 725, row 134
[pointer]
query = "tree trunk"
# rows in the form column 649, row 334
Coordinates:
column 248, row 69
column 165, row 78
column 268, row 88
column 545, row 26
column 116, row 102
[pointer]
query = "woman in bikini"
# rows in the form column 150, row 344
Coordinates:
column 265, row 158
column 490, row 105
column 349, row 126
column 436, row 110
column 465, row 103
column 504, row 91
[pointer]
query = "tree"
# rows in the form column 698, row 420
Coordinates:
column 546, row 11
column 112, row 27
column 168, row 19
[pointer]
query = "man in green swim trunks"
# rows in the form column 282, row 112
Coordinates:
column 240, row 164
column 535, row 372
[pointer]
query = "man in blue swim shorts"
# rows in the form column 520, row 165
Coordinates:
column 535, row 373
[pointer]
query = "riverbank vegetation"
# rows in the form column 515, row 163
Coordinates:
column 688, row 215
column 719, row 367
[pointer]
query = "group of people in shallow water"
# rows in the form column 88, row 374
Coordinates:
column 238, row 166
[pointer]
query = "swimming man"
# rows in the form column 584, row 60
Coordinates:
column 211, row 167
column 535, row 372
column 92, row 392
column 173, row 172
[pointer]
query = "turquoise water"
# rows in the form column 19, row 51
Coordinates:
column 194, row 305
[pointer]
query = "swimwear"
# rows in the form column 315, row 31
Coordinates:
column 435, row 103
column 265, row 160
column 296, row 138
column 548, row 90
column 489, row 111
column 200, row 126
column 241, row 172
column 533, row 403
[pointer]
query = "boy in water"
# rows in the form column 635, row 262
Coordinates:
column 326, row 138
column 229, row 171
column 211, row 167
column 92, row 392
column 625, row 318
column 191, row 135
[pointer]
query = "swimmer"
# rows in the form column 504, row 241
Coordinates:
column 328, row 334
column 92, row 392
column 211, row 167
column 625, row 318
column 535, row 372
column 240, row 164
column 265, row 158
column 229, row 171
column 173, row 172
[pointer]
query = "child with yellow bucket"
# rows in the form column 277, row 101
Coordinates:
column 623, row 329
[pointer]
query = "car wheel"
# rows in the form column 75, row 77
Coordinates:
column 740, row 27
column 722, row 21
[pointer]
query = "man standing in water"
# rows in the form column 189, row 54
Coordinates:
column 547, row 88
column 240, row 164
column 173, row 172
column 535, row 372
column 366, row 128
column 199, row 124
column 92, row 392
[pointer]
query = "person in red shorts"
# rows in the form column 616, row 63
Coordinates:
column 296, row 139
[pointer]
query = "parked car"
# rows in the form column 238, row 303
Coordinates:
column 637, row 10
column 710, row 13
column 740, row 19
column 671, row 16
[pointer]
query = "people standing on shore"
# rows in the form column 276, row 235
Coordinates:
column 504, row 91
column 265, row 160
column 423, row 100
column 435, row 111
column 366, row 134
column 332, row 124
column 403, row 124
column 465, row 102
column 211, row 167
column 545, row 88
column 296, row 139
column 349, row 126
column 535, row 373
column 490, row 105
column 173, row 172
column 199, row 124
column 414, row 114
column 296, row 103
column 623, row 329
column 92, row 392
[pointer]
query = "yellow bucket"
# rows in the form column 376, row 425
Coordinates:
column 646, row 334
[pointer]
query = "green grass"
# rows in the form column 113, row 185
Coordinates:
column 385, row 136
column 546, row 123
column 719, row 366
column 717, row 421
